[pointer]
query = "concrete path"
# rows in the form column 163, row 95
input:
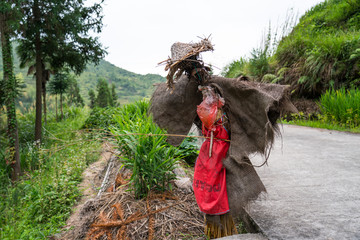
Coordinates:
column 313, row 184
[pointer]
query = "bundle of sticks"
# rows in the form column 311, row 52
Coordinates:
column 185, row 58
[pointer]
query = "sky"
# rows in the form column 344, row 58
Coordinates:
column 138, row 34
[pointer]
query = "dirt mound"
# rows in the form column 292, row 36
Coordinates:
column 306, row 106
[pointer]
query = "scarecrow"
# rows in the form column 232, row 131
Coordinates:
column 238, row 117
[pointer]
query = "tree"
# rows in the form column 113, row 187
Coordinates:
column 57, row 32
column 104, row 97
column 73, row 93
column 92, row 98
column 59, row 85
column 8, row 13
column 2, row 93
column 114, row 96
column 46, row 72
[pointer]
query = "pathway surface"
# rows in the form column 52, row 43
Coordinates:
column 313, row 185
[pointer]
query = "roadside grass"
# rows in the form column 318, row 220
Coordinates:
column 340, row 110
column 320, row 124
column 38, row 205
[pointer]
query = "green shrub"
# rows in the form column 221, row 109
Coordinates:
column 101, row 118
column 269, row 78
column 235, row 69
column 189, row 150
column 149, row 157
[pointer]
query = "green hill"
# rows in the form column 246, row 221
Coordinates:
column 321, row 52
column 129, row 86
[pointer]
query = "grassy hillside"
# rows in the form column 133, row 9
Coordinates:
column 129, row 86
column 321, row 52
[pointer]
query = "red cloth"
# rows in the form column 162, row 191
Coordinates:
column 210, row 176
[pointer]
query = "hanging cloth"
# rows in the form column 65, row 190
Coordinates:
column 210, row 176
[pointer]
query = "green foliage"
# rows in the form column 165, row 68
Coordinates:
column 269, row 78
column 2, row 94
column 340, row 110
column 92, row 98
column 59, row 83
column 129, row 86
column 102, row 118
column 258, row 64
column 235, row 69
column 73, row 93
column 189, row 150
column 321, row 51
column 318, row 121
column 38, row 205
column 342, row 106
column 149, row 157
column 104, row 97
column 71, row 44
column 114, row 96
column 259, row 60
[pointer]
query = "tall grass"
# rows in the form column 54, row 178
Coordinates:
column 261, row 61
column 321, row 52
column 149, row 157
column 342, row 106
column 39, row 204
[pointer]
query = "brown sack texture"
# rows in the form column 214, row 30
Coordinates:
column 176, row 111
column 253, row 110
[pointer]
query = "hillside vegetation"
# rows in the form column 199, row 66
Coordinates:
column 321, row 52
column 130, row 86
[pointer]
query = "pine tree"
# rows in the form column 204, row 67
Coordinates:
column 59, row 85
column 57, row 32
column 114, row 96
column 103, row 93
column 92, row 98
column 73, row 93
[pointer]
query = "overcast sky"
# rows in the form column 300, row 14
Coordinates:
column 139, row 33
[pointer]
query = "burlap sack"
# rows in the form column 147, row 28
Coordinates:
column 253, row 110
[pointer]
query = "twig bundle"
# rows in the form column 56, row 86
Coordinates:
column 185, row 58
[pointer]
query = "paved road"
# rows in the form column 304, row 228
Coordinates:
column 313, row 184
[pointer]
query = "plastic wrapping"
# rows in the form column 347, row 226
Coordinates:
column 209, row 107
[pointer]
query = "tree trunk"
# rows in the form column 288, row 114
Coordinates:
column 45, row 78
column 56, row 110
column 44, row 99
column 38, row 123
column 10, row 96
column 61, row 106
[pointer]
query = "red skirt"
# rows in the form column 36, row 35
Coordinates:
column 210, row 176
